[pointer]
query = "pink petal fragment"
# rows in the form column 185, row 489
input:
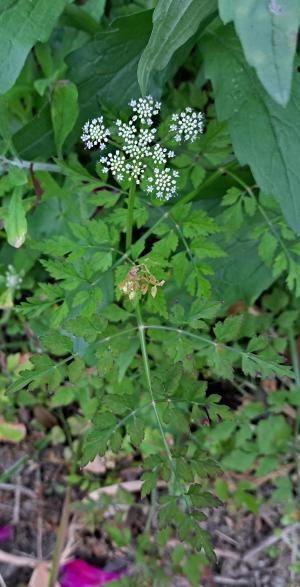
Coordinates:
column 5, row 533
column 78, row 573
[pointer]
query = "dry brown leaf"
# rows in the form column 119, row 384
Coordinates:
column 97, row 466
column 45, row 417
column 130, row 486
column 41, row 575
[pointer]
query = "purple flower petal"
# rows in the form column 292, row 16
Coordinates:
column 6, row 533
column 78, row 573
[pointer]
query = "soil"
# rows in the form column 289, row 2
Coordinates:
column 32, row 501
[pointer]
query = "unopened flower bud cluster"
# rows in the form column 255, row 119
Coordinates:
column 140, row 156
column 139, row 279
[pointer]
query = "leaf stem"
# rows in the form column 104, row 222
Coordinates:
column 131, row 199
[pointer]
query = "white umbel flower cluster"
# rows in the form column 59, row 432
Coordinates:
column 13, row 280
column 187, row 125
column 140, row 156
column 95, row 134
column 145, row 109
column 160, row 155
column 117, row 164
column 163, row 183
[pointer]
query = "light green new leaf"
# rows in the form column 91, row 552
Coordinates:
column 265, row 135
column 174, row 23
column 15, row 222
column 12, row 432
column 22, row 24
column 268, row 33
column 64, row 111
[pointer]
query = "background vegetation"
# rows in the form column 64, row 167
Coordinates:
column 194, row 388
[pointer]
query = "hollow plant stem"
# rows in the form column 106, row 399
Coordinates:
column 131, row 199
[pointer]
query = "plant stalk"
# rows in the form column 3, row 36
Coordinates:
column 131, row 199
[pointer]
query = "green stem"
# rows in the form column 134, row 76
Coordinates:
column 131, row 198
column 141, row 328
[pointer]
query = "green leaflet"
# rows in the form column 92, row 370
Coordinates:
column 64, row 111
column 22, row 24
column 15, row 222
column 268, row 33
column 174, row 23
column 265, row 135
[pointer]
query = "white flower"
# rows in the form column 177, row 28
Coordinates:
column 137, row 170
column 145, row 109
column 187, row 125
column 160, row 155
column 126, row 131
column 13, row 280
column 94, row 133
column 116, row 163
column 164, row 183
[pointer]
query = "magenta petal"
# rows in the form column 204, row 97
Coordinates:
column 78, row 573
column 5, row 533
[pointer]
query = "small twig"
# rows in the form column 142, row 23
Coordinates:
column 35, row 166
column 2, row 582
column 229, row 581
column 17, row 561
column 220, row 553
column 252, row 554
column 12, row 487
column 227, row 538
column 17, row 503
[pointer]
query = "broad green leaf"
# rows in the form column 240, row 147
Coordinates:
column 265, row 135
column 242, row 274
column 64, row 111
column 104, row 70
column 174, row 22
column 95, row 8
column 268, row 33
column 15, row 222
column 22, row 24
